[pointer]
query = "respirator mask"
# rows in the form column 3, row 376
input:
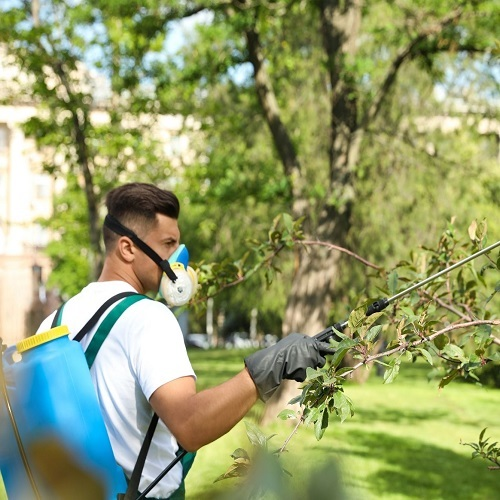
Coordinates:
column 179, row 281
column 180, row 291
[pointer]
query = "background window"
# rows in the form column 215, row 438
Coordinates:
column 4, row 137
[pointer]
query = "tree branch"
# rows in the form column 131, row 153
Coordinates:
column 408, row 52
column 275, row 252
column 423, row 340
column 494, row 339
column 446, row 306
column 243, row 277
column 269, row 104
column 294, row 431
column 340, row 249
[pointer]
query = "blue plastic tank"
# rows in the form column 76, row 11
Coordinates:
column 62, row 448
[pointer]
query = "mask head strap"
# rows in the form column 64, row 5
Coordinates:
column 117, row 227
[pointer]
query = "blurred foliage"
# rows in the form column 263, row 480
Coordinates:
column 68, row 252
column 486, row 450
column 123, row 59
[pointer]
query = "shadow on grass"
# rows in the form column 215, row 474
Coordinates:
column 215, row 366
column 415, row 469
column 400, row 416
column 206, row 380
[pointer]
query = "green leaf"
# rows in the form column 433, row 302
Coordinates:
column 414, row 298
column 357, row 317
column 295, row 400
column 312, row 414
column 343, row 405
column 373, row 333
column 240, row 453
column 288, row 222
column 455, row 352
column 481, row 435
column 492, row 446
column 368, row 322
column 481, row 230
column 255, row 435
column 441, row 341
column 342, row 350
column 392, row 372
column 235, row 470
column 409, row 313
column 321, row 424
column 342, row 370
column 287, row 414
column 392, row 282
column 448, row 378
column 427, row 355
column 482, row 334
column 393, row 344
column 312, row 374
column 495, row 357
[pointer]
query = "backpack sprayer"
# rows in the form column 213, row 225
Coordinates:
column 48, row 401
column 381, row 304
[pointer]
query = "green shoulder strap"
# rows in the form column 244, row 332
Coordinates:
column 58, row 316
column 106, row 325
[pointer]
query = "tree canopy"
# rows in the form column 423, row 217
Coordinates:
column 375, row 122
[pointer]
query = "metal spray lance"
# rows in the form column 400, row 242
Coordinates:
column 381, row 304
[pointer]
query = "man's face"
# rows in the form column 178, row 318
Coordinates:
column 163, row 239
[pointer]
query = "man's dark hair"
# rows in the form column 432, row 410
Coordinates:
column 135, row 205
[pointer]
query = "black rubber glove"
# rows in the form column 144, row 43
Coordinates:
column 287, row 359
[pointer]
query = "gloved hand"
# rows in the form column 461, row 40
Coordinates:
column 287, row 359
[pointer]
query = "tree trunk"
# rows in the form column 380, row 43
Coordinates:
column 94, row 229
column 310, row 297
column 308, row 303
column 309, row 300
column 80, row 119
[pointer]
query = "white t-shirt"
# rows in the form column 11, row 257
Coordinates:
column 144, row 350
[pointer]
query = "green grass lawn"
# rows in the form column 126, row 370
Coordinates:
column 404, row 441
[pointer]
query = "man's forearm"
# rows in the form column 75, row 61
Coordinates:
column 197, row 419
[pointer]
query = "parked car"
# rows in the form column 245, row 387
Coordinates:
column 197, row 340
column 239, row 340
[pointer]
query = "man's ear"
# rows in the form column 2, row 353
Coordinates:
column 126, row 249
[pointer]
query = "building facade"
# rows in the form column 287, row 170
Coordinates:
column 26, row 195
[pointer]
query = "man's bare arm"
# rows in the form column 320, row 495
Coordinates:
column 198, row 418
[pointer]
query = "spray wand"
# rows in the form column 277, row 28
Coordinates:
column 381, row 304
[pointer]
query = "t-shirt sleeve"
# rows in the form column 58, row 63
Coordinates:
column 157, row 350
column 46, row 324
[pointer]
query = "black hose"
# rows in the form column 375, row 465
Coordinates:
column 381, row 304
column 161, row 475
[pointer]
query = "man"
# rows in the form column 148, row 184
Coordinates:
column 143, row 367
